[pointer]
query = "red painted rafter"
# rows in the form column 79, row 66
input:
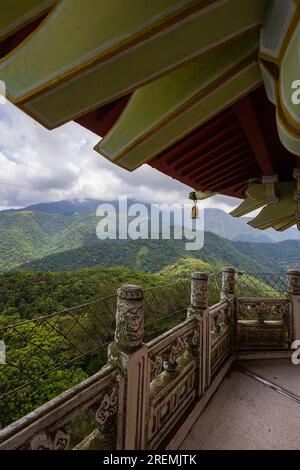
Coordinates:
column 207, row 159
column 199, row 135
column 222, row 160
column 225, row 179
column 228, row 170
column 247, row 117
column 241, row 177
column 211, row 145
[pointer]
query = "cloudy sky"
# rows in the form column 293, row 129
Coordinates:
column 38, row 165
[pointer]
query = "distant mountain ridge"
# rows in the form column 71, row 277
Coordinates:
column 216, row 220
column 28, row 236
column 237, row 229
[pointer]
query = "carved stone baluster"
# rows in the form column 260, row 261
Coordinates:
column 228, row 284
column 199, row 294
column 228, row 294
column 199, row 310
column 293, row 289
column 129, row 318
column 129, row 355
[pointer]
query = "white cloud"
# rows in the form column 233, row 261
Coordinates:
column 38, row 165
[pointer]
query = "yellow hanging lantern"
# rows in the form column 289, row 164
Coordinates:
column 195, row 211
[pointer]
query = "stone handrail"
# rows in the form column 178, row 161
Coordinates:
column 46, row 427
column 222, row 334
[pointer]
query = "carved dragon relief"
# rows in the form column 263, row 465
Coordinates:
column 130, row 323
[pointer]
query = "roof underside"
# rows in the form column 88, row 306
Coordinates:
column 221, row 155
column 198, row 89
column 239, row 143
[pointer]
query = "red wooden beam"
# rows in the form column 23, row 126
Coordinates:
column 247, row 117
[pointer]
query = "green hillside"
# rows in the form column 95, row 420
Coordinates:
column 153, row 255
column 274, row 256
column 25, row 294
column 57, row 242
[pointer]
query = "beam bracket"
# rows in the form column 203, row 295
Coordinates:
column 270, row 188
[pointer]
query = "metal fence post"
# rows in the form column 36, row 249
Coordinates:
column 293, row 289
column 199, row 309
column 129, row 354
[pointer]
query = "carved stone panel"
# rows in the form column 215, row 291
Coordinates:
column 169, row 405
column 157, row 367
column 50, row 441
column 261, row 336
column 108, row 408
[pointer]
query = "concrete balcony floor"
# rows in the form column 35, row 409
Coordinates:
column 245, row 414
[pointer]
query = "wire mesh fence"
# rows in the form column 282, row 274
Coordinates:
column 48, row 354
column 214, row 288
column 261, row 284
column 51, row 353
column 165, row 307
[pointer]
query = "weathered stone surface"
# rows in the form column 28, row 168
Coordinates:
column 129, row 318
column 293, row 282
column 199, row 294
column 228, row 283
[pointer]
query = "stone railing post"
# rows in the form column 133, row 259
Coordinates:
column 228, row 284
column 199, row 294
column 228, row 294
column 129, row 354
column 293, row 289
column 200, row 311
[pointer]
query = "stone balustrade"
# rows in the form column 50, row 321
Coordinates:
column 149, row 395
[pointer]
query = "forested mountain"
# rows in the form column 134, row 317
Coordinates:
column 25, row 295
column 30, row 236
column 153, row 255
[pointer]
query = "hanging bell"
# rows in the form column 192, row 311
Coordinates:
column 195, row 211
